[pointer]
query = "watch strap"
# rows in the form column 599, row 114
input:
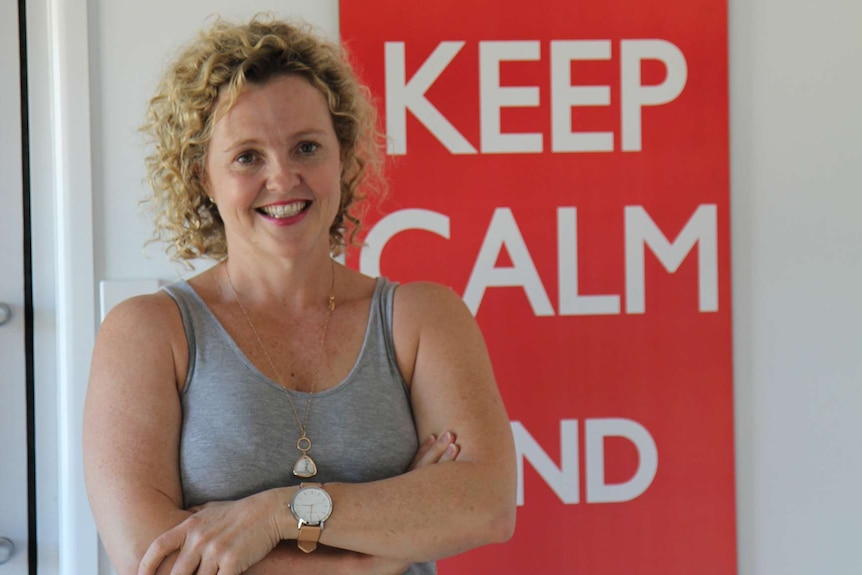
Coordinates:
column 308, row 535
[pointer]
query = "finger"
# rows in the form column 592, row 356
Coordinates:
column 208, row 566
column 164, row 545
column 187, row 562
column 423, row 449
column 202, row 506
column 436, row 450
column 451, row 453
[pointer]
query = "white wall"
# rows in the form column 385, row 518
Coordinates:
column 796, row 159
column 796, row 125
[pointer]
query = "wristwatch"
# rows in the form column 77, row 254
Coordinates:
column 311, row 506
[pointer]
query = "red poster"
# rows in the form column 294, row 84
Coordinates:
column 564, row 166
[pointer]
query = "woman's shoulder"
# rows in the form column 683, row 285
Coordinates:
column 142, row 309
column 143, row 335
column 144, row 318
column 427, row 311
column 429, row 299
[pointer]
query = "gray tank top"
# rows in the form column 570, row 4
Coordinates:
column 239, row 435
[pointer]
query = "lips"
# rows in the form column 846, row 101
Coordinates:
column 284, row 211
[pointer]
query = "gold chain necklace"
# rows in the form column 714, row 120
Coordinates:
column 304, row 466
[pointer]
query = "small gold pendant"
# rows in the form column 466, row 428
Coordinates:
column 304, row 467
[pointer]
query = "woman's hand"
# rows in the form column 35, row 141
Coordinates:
column 436, row 450
column 220, row 538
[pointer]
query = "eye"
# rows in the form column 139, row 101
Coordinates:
column 246, row 158
column 307, row 148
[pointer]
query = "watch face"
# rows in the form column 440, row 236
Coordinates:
column 312, row 505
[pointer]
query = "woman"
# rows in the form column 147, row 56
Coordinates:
column 266, row 415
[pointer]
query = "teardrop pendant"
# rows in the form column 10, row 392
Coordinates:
column 304, row 467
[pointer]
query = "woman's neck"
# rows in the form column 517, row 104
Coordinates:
column 287, row 284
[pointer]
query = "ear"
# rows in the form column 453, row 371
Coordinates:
column 204, row 181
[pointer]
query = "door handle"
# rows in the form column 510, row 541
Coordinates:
column 7, row 548
column 5, row 313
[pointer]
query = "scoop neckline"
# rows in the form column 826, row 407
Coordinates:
column 375, row 297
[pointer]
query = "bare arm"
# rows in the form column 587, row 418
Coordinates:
column 439, row 510
column 131, row 429
column 287, row 557
column 433, row 511
column 131, row 447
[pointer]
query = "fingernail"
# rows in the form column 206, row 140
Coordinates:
column 451, row 449
column 447, row 437
column 431, row 438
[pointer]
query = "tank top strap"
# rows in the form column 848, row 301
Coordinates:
column 191, row 308
column 383, row 316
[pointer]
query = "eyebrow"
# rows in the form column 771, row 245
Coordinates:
column 309, row 132
column 240, row 144
column 294, row 136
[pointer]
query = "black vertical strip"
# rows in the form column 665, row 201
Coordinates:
column 28, row 291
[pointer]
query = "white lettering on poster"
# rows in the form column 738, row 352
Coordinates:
column 635, row 95
column 564, row 96
column 403, row 94
column 503, row 232
column 394, row 223
column 493, row 97
column 572, row 302
column 564, row 480
column 641, row 231
column 598, row 490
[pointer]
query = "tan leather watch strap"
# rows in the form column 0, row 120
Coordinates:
column 309, row 535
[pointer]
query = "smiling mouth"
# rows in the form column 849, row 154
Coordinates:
column 282, row 211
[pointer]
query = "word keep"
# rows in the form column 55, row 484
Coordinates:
column 404, row 94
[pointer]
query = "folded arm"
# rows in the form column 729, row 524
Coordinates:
column 433, row 511
column 131, row 449
column 439, row 510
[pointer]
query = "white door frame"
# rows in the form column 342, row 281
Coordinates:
column 64, row 297
column 15, row 518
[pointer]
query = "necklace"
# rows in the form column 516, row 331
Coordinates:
column 304, row 466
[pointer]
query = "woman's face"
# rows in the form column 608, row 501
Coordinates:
column 273, row 168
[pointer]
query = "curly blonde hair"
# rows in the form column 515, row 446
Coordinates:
column 182, row 114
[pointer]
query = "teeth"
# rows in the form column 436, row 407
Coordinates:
column 284, row 210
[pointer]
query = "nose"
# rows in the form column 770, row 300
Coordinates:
column 283, row 176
